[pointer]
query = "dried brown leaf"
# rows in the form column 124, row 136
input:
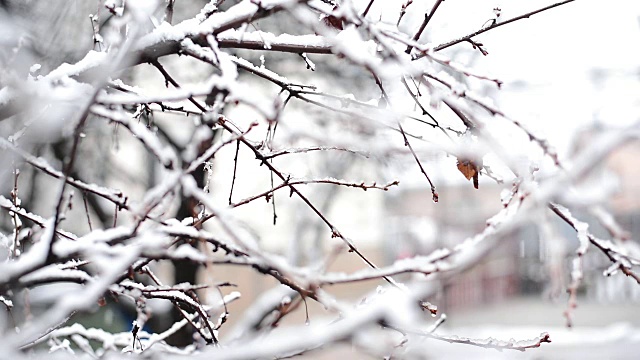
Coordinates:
column 470, row 170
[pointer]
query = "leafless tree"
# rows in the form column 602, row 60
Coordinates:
column 62, row 120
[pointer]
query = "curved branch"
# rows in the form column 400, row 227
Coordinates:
column 494, row 26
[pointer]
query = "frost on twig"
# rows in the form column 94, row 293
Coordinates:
column 491, row 343
column 299, row 98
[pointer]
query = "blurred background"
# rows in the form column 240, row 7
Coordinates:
column 571, row 74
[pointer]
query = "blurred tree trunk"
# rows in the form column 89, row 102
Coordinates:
column 185, row 271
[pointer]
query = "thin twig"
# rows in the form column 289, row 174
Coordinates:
column 403, row 11
column 235, row 167
column 427, row 17
column 313, row 148
column 366, row 10
column 273, row 198
column 222, row 121
column 86, row 210
column 493, row 26
column 67, row 172
column 434, row 193
column 114, row 196
column 489, row 343
column 288, row 183
column 169, row 11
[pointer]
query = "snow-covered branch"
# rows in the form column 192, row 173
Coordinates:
column 169, row 120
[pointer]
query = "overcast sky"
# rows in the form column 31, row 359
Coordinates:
column 563, row 68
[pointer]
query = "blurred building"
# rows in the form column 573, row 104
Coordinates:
column 420, row 226
column 615, row 181
column 535, row 259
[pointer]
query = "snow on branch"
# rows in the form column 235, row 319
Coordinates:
column 165, row 122
column 41, row 164
column 491, row 343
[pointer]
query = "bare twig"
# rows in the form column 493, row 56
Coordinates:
column 434, row 193
column 366, row 10
column 493, row 26
column 114, row 196
column 169, row 11
column 427, row 17
column 311, row 149
column 235, row 167
column 67, row 172
column 490, row 343
column 291, row 182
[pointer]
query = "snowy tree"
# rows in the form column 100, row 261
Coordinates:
column 113, row 154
